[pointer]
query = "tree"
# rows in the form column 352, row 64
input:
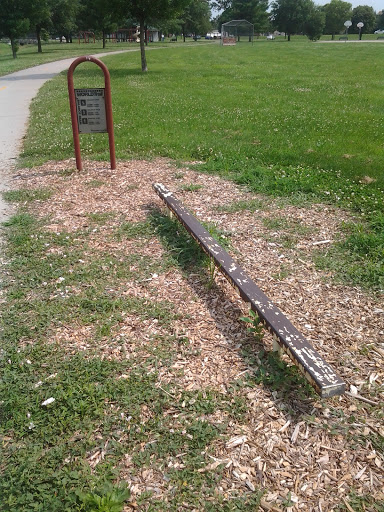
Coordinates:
column 365, row 14
column 380, row 20
column 63, row 17
column 152, row 11
column 14, row 22
column 290, row 16
column 100, row 16
column 337, row 13
column 196, row 18
column 254, row 11
column 314, row 25
column 39, row 14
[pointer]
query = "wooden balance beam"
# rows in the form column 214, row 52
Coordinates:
column 318, row 372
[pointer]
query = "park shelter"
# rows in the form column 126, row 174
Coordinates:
column 232, row 31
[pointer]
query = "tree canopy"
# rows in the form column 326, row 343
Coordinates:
column 254, row 11
column 195, row 18
column 14, row 22
column 366, row 15
column 336, row 13
column 100, row 16
column 290, row 16
column 146, row 12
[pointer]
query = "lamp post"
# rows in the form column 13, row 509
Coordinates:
column 360, row 25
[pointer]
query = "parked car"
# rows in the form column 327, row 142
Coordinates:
column 379, row 32
column 215, row 34
column 270, row 37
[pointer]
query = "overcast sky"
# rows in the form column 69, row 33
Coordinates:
column 378, row 5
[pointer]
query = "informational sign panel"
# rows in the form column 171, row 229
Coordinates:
column 90, row 108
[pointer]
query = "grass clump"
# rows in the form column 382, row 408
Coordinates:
column 131, row 230
column 109, row 499
column 191, row 187
column 251, row 205
column 359, row 258
column 26, row 195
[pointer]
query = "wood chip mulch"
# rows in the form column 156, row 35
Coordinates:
column 276, row 449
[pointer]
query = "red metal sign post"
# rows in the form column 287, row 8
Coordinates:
column 91, row 110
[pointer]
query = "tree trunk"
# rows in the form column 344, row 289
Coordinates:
column 333, row 36
column 38, row 37
column 103, row 39
column 142, row 48
column 289, row 37
column 14, row 48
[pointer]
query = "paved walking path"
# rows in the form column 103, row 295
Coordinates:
column 16, row 93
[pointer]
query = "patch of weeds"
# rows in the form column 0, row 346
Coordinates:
column 159, row 351
column 251, row 205
column 25, row 195
column 208, row 401
column 50, row 447
column 220, row 235
column 132, row 187
column 255, row 325
column 49, row 288
column 107, row 499
column 270, row 370
column 191, row 187
column 377, row 442
column 283, row 273
column 299, row 199
column 94, row 183
column 68, row 172
column 282, row 223
column 360, row 503
column 287, row 232
column 287, row 502
column 22, row 235
column 101, row 218
column 130, row 230
column 200, row 402
column 358, row 260
column 247, row 503
column 106, row 311
column 182, row 249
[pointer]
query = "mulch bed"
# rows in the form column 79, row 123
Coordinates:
column 276, row 448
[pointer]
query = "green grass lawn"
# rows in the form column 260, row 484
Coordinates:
column 27, row 55
column 303, row 120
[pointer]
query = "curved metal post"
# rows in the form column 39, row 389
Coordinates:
column 108, row 109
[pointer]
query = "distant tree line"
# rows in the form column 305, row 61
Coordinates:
column 305, row 17
column 65, row 18
column 299, row 16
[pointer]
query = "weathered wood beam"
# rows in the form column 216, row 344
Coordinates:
column 318, row 372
